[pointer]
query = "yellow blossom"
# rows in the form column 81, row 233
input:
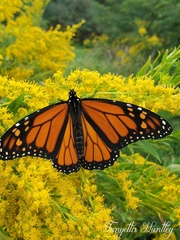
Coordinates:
column 9, row 8
column 142, row 31
column 129, row 192
column 177, row 214
column 154, row 40
column 141, row 91
column 86, row 42
column 46, row 51
column 38, row 202
column 1, row 58
column 161, row 236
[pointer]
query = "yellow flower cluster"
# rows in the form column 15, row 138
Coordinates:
column 142, row 30
column 160, row 236
column 153, row 40
column 95, row 40
column 1, row 58
column 129, row 192
column 137, row 90
column 170, row 191
column 28, row 12
column 177, row 214
column 148, row 41
column 160, row 186
column 140, row 91
column 8, row 9
column 7, row 119
column 132, row 49
column 145, row 187
column 37, row 202
column 32, row 52
column 50, row 50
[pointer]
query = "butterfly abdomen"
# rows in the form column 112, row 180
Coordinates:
column 79, row 140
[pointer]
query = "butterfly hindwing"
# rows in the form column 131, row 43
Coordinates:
column 67, row 159
column 97, row 155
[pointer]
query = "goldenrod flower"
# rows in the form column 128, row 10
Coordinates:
column 33, row 53
column 142, row 31
column 37, row 201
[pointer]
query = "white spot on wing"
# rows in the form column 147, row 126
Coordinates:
column 163, row 122
column 129, row 105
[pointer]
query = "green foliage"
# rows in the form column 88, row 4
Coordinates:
column 135, row 31
column 148, row 184
column 95, row 58
column 164, row 69
column 69, row 12
column 118, row 18
column 17, row 103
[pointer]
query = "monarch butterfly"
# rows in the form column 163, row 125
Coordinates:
column 81, row 132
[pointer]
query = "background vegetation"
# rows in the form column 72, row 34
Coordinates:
column 126, row 50
column 129, row 31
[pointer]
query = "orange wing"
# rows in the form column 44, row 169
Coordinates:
column 97, row 155
column 46, row 133
column 67, row 159
column 110, row 125
column 101, row 127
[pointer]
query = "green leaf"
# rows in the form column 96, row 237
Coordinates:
column 149, row 172
column 17, row 103
column 176, row 81
column 176, row 135
column 164, row 57
column 144, row 68
column 117, row 200
column 153, row 185
column 136, row 177
column 156, row 190
column 3, row 234
column 148, row 148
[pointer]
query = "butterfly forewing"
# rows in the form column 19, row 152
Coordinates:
column 119, row 124
column 39, row 134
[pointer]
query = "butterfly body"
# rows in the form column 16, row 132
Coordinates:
column 81, row 132
column 75, row 111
